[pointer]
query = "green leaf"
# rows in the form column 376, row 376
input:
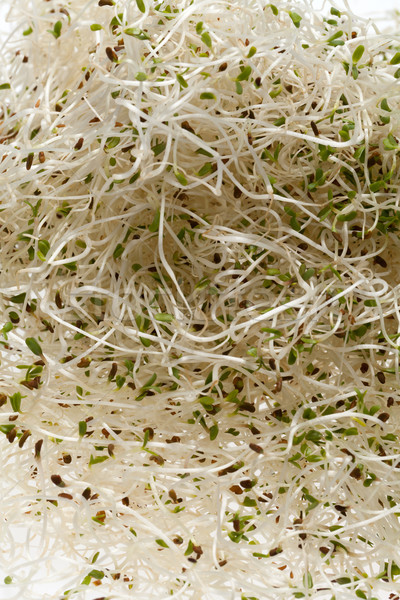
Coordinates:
column 150, row 382
column 308, row 273
column 164, row 317
column 182, row 81
column 5, row 86
column 27, row 31
column 6, row 428
column 97, row 301
column 238, row 87
column 249, row 501
column 395, row 59
column 162, row 543
column 181, row 178
column 95, row 27
column 213, row 432
column 347, row 217
column 96, row 574
column 385, row 105
column 309, row 414
column 119, row 249
column 357, row 54
column 158, row 148
column 390, row 143
column 111, row 142
column 370, row 302
column 335, row 36
column 8, row 580
column 244, row 74
column 141, row 6
column 308, row 582
column 82, row 428
column 119, row 381
column 292, row 356
column 252, row 52
column 19, row 299
column 207, row 96
column 189, row 548
column 377, row 185
column 94, row 460
column 296, row 18
column 56, row 31
column 206, row 39
column 34, row 346
column 137, row 33
column 154, row 225
column 141, row 76
column 205, row 169
column 15, row 401
column 274, row 9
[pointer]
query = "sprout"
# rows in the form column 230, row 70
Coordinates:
column 199, row 300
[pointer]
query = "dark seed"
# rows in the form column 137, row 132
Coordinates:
column 384, row 417
column 42, row 157
column 341, row 509
column 272, row 363
column 83, row 363
column 236, row 192
column 275, row 551
column 38, row 447
column 56, row 479
column 314, row 128
column 256, row 448
column 223, row 67
column 236, row 489
column 3, row 399
column 106, row 3
column 364, row 368
column 378, row 260
column 78, row 144
column 246, row 484
column 67, row 459
column 247, row 407
column 257, row 81
column 390, row 402
column 94, row 120
column 111, row 55
column 86, row 493
column 23, row 438
column 236, row 524
column 356, row 473
column 11, row 435
column 29, row 161
column 113, row 371
column 151, row 432
column 110, row 449
column 381, row 377
column 64, row 495
column 125, row 501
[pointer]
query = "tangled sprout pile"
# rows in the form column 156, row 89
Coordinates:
column 199, row 301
